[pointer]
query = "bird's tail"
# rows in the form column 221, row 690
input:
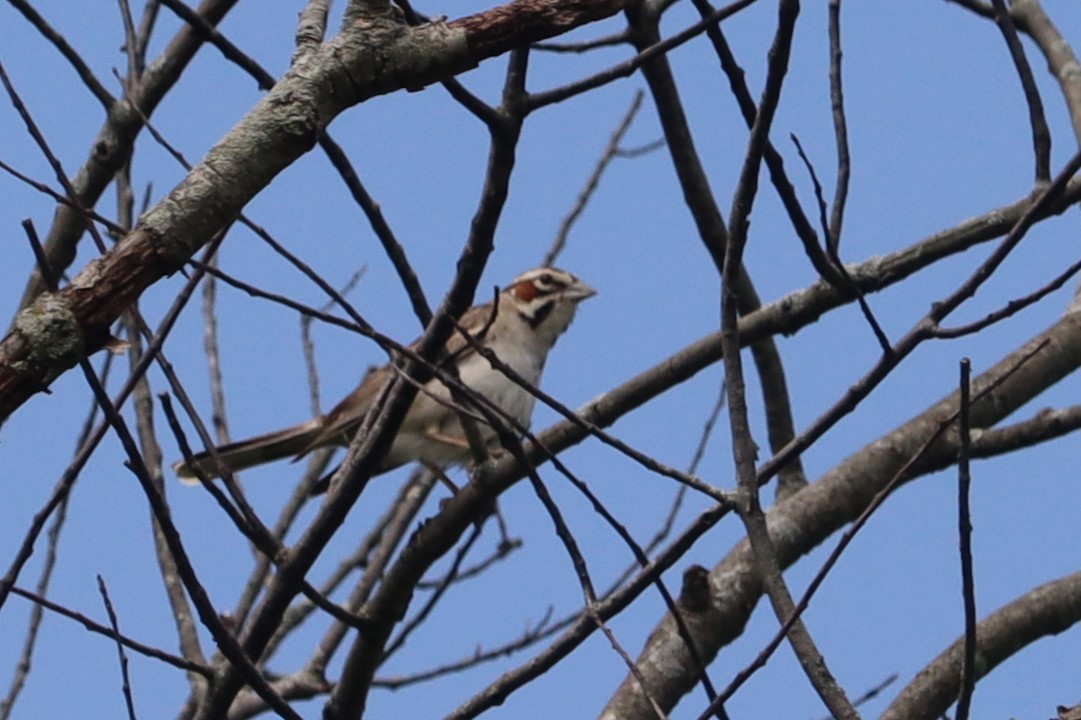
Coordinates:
column 244, row 454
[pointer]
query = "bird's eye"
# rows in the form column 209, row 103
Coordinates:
column 546, row 279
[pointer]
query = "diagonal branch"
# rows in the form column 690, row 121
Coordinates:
column 381, row 57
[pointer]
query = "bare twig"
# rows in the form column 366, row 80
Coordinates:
column 964, row 532
column 840, row 132
column 610, row 152
column 528, row 637
column 744, row 449
column 114, row 142
column 926, row 327
column 226, row 641
column 104, row 97
column 98, row 628
column 1047, row 610
column 374, row 554
column 832, row 247
column 447, row 580
column 585, row 46
column 805, row 231
column 629, row 67
column 916, row 459
column 497, row 692
column 50, row 157
column 1041, row 134
column 126, row 679
column 1012, row 307
column 311, row 28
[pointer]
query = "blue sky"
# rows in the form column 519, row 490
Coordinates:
column 939, row 133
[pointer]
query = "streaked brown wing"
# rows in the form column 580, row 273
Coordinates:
column 340, row 424
column 478, row 318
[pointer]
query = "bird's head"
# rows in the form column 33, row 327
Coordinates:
column 545, row 299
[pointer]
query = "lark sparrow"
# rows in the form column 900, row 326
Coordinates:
column 530, row 315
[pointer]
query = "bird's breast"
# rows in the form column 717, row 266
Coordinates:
column 504, row 393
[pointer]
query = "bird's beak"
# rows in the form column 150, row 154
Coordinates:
column 578, row 292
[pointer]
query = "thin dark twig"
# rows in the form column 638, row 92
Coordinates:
column 105, row 222
column 744, row 450
column 1041, row 134
column 628, row 67
column 114, row 623
column 737, row 82
column 147, row 24
column 50, row 157
column 249, row 524
column 502, row 551
column 610, row 152
column 565, row 535
column 445, row 582
column 479, row 109
column 964, row 531
column 497, row 692
column 850, row 534
column 130, row 49
column 585, row 46
column 394, row 249
column 81, row 68
column 677, row 502
column 212, row 35
column 96, row 627
column 226, row 641
column 640, row 150
column 361, row 328
column 1045, row 198
column 835, row 259
column 1012, row 307
column 873, row 692
column 840, row 132
column 528, row 637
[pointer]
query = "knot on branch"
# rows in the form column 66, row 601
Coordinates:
column 694, row 596
column 51, row 333
column 359, row 12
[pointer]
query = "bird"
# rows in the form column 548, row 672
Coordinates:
column 520, row 327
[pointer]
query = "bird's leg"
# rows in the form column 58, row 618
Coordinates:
column 455, row 440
